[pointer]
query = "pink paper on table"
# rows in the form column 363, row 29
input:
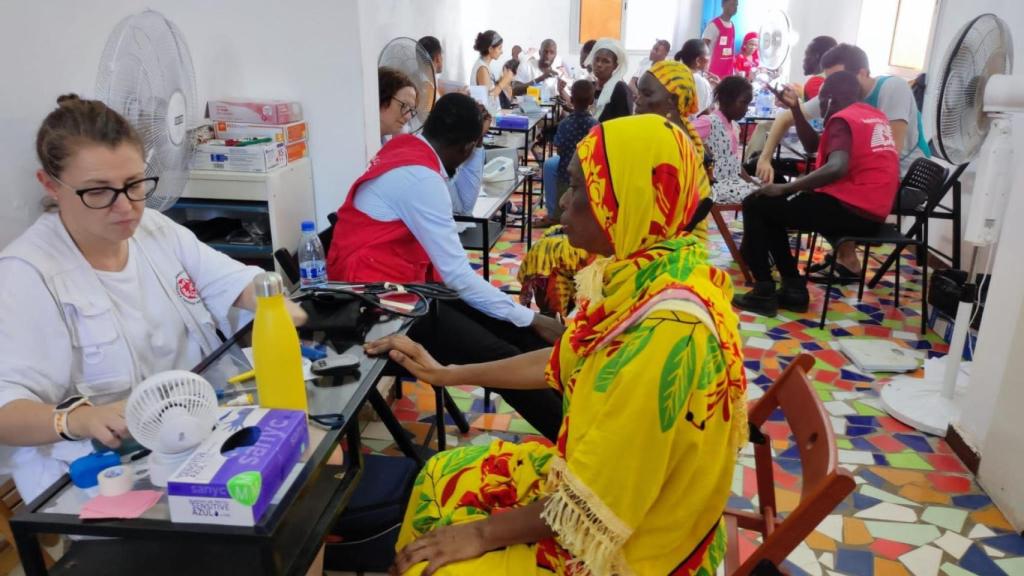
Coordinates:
column 128, row 505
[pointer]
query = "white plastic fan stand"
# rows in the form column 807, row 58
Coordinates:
column 163, row 466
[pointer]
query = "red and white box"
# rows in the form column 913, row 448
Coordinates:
column 255, row 111
column 286, row 133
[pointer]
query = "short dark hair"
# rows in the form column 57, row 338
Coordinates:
column 588, row 46
column 842, row 85
column 455, row 120
column 431, row 45
column 665, row 43
column 850, row 57
column 389, row 82
column 821, row 44
column 582, row 92
column 731, row 88
column 692, row 49
column 485, row 41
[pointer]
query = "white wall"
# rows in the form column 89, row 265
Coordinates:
column 239, row 47
column 812, row 18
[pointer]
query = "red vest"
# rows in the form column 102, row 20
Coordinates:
column 873, row 176
column 723, row 52
column 368, row 250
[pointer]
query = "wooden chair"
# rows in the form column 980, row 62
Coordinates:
column 10, row 502
column 716, row 214
column 824, row 484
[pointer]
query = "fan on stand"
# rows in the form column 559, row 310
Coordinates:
column 407, row 56
column 775, row 39
column 975, row 100
column 146, row 76
column 171, row 413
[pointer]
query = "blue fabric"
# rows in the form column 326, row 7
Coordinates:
column 570, row 131
column 922, row 142
column 550, row 183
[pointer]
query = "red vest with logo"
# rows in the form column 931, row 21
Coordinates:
column 873, row 176
column 367, row 250
column 723, row 52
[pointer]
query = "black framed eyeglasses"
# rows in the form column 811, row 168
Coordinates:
column 406, row 109
column 101, row 197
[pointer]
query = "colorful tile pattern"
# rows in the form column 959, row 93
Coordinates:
column 916, row 509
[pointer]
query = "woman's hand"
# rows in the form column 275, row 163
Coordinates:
column 299, row 316
column 104, row 423
column 441, row 547
column 786, row 97
column 411, row 356
column 506, row 77
column 547, row 328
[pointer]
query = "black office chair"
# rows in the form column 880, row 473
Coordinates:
column 920, row 192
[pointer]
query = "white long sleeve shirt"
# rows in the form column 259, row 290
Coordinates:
column 421, row 199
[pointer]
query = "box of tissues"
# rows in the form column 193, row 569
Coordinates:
column 234, row 474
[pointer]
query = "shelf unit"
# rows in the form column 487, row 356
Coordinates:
column 281, row 199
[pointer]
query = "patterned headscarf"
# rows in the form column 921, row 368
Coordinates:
column 677, row 78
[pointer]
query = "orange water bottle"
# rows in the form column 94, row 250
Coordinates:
column 275, row 348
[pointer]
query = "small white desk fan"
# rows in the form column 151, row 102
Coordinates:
column 976, row 96
column 171, row 413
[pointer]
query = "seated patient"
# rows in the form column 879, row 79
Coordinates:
column 652, row 359
column 850, row 194
column 98, row 294
column 570, row 131
column 399, row 227
column 731, row 182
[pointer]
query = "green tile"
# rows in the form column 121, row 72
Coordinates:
column 1012, row 566
column 908, row 459
column 520, row 426
column 893, row 324
column 865, row 410
column 464, row 404
column 952, row 570
column 869, row 490
column 459, row 393
column 825, row 396
column 913, row 534
column 951, row 518
column 844, row 444
column 819, row 334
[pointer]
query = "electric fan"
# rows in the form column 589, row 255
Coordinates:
column 171, row 413
column 146, row 76
column 774, row 39
column 974, row 99
column 407, row 56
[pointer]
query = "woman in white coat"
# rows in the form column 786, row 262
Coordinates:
column 98, row 294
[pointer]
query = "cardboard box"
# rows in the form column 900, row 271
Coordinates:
column 296, row 150
column 286, row 133
column 233, row 475
column 253, row 158
column 255, row 111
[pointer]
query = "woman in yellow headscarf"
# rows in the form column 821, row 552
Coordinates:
column 549, row 268
column 652, row 376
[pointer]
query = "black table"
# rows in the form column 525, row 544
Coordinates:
column 286, row 539
column 486, row 231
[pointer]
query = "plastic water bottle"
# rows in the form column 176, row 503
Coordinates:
column 312, row 262
column 764, row 103
column 275, row 348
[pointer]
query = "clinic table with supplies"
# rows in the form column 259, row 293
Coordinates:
column 285, row 540
column 479, row 230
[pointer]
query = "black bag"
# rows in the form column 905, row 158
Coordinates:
column 944, row 287
column 363, row 539
column 339, row 315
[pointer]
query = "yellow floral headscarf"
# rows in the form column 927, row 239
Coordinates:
column 677, row 78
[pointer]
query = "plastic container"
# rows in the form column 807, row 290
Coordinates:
column 312, row 262
column 765, row 103
column 275, row 348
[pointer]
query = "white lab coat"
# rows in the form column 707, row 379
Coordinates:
column 59, row 335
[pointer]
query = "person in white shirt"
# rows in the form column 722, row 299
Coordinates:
column 400, row 216
column 98, row 294
column 542, row 67
column 658, row 53
column 694, row 54
column 489, row 45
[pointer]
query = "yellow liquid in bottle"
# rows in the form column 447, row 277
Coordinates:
column 275, row 348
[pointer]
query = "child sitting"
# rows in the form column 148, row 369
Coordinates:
column 570, row 132
column 731, row 183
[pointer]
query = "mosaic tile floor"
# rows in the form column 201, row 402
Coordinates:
column 916, row 510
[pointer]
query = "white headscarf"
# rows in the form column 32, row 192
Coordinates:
column 615, row 47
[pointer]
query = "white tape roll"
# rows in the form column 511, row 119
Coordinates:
column 116, row 480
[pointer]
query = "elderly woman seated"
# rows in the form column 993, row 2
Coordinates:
column 652, row 376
